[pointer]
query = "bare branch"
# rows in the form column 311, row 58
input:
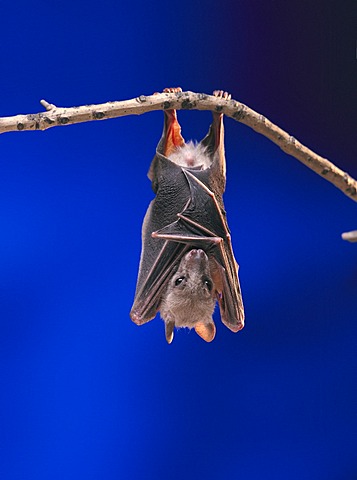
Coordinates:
column 350, row 236
column 56, row 116
column 48, row 106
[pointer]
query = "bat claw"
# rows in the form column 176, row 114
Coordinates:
column 170, row 90
column 222, row 94
column 173, row 90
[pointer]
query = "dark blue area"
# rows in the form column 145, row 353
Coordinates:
column 87, row 394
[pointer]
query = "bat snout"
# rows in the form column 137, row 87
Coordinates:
column 196, row 255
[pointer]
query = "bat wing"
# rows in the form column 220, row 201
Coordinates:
column 148, row 297
column 202, row 224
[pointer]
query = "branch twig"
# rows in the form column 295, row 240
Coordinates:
column 350, row 236
column 55, row 116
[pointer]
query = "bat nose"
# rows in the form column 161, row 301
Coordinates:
column 196, row 255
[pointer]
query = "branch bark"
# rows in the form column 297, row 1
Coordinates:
column 56, row 116
column 350, row 236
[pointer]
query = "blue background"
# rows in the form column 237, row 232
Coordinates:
column 85, row 393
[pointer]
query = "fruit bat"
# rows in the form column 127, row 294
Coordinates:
column 187, row 262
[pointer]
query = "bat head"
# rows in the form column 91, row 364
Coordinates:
column 189, row 299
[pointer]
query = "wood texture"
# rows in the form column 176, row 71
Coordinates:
column 58, row 116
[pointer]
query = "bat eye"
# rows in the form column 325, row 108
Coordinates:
column 207, row 282
column 178, row 281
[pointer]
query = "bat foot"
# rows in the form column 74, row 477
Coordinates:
column 218, row 115
column 173, row 90
column 170, row 90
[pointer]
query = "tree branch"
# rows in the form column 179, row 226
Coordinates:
column 350, row 236
column 55, row 116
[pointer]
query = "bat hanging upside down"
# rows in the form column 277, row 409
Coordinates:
column 187, row 262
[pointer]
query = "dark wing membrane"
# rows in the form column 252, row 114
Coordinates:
column 202, row 224
column 159, row 257
column 148, row 297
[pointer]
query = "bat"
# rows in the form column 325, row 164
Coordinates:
column 187, row 262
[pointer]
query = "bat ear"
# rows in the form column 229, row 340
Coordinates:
column 169, row 331
column 207, row 331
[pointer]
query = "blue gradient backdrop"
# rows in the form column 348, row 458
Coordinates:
column 85, row 393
